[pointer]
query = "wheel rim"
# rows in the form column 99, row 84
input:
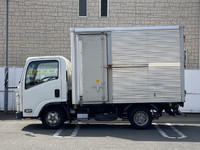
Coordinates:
column 53, row 118
column 141, row 118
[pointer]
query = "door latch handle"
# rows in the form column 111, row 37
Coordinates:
column 98, row 88
column 57, row 93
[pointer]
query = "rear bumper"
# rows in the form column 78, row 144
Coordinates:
column 19, row 115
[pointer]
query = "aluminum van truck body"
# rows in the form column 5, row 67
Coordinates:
column 133, row 73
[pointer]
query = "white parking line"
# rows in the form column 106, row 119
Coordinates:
column 182, row 136
column 58, row 132
column 75, row 132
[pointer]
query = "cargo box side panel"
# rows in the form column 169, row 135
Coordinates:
column 164, row 65
column 129, row 47
column 147, row 66
column 163, row 46
column 164, row 83
column 130, row 84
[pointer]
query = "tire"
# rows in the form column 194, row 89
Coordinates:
column 53, row 118
column 140, row 118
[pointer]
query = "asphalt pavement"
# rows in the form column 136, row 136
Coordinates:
column 180, row 132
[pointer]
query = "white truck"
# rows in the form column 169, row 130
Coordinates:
column 133, row 73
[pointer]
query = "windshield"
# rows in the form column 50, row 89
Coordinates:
column 39, row 72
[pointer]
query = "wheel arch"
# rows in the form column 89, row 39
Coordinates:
column 56, row 104
column 133, row 106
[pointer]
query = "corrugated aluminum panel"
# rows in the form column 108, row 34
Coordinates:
column 158, row 83
column 164, row 82
column 148, row 46
column 129, row 47
column 156, row 57
column 130, row 83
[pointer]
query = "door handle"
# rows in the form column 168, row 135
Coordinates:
column 98, row 88
column 57, row 93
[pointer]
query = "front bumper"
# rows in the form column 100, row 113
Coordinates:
column 19, row 115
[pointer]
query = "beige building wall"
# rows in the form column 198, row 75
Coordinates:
column 41, row 27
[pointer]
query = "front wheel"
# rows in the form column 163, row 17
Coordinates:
column 140, row 118
column 53, row 118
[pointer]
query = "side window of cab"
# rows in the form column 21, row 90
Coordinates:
column 39, row 72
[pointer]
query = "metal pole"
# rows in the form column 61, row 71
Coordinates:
column 6, row 68
column 199, row 42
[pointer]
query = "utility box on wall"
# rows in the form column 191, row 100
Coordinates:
column 13, row 81
column 192, row 87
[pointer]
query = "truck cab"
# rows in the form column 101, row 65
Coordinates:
column 45, row 81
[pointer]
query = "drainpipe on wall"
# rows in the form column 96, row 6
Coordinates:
column 199, row 42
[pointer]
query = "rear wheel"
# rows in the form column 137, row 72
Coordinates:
column 53, row 118
column 140, row 118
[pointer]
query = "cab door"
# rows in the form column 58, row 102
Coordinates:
column 42, row 85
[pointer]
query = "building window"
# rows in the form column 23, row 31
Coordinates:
column 82, row 7
column 104, row 8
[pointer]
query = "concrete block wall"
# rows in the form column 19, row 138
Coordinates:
column 38, row 28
